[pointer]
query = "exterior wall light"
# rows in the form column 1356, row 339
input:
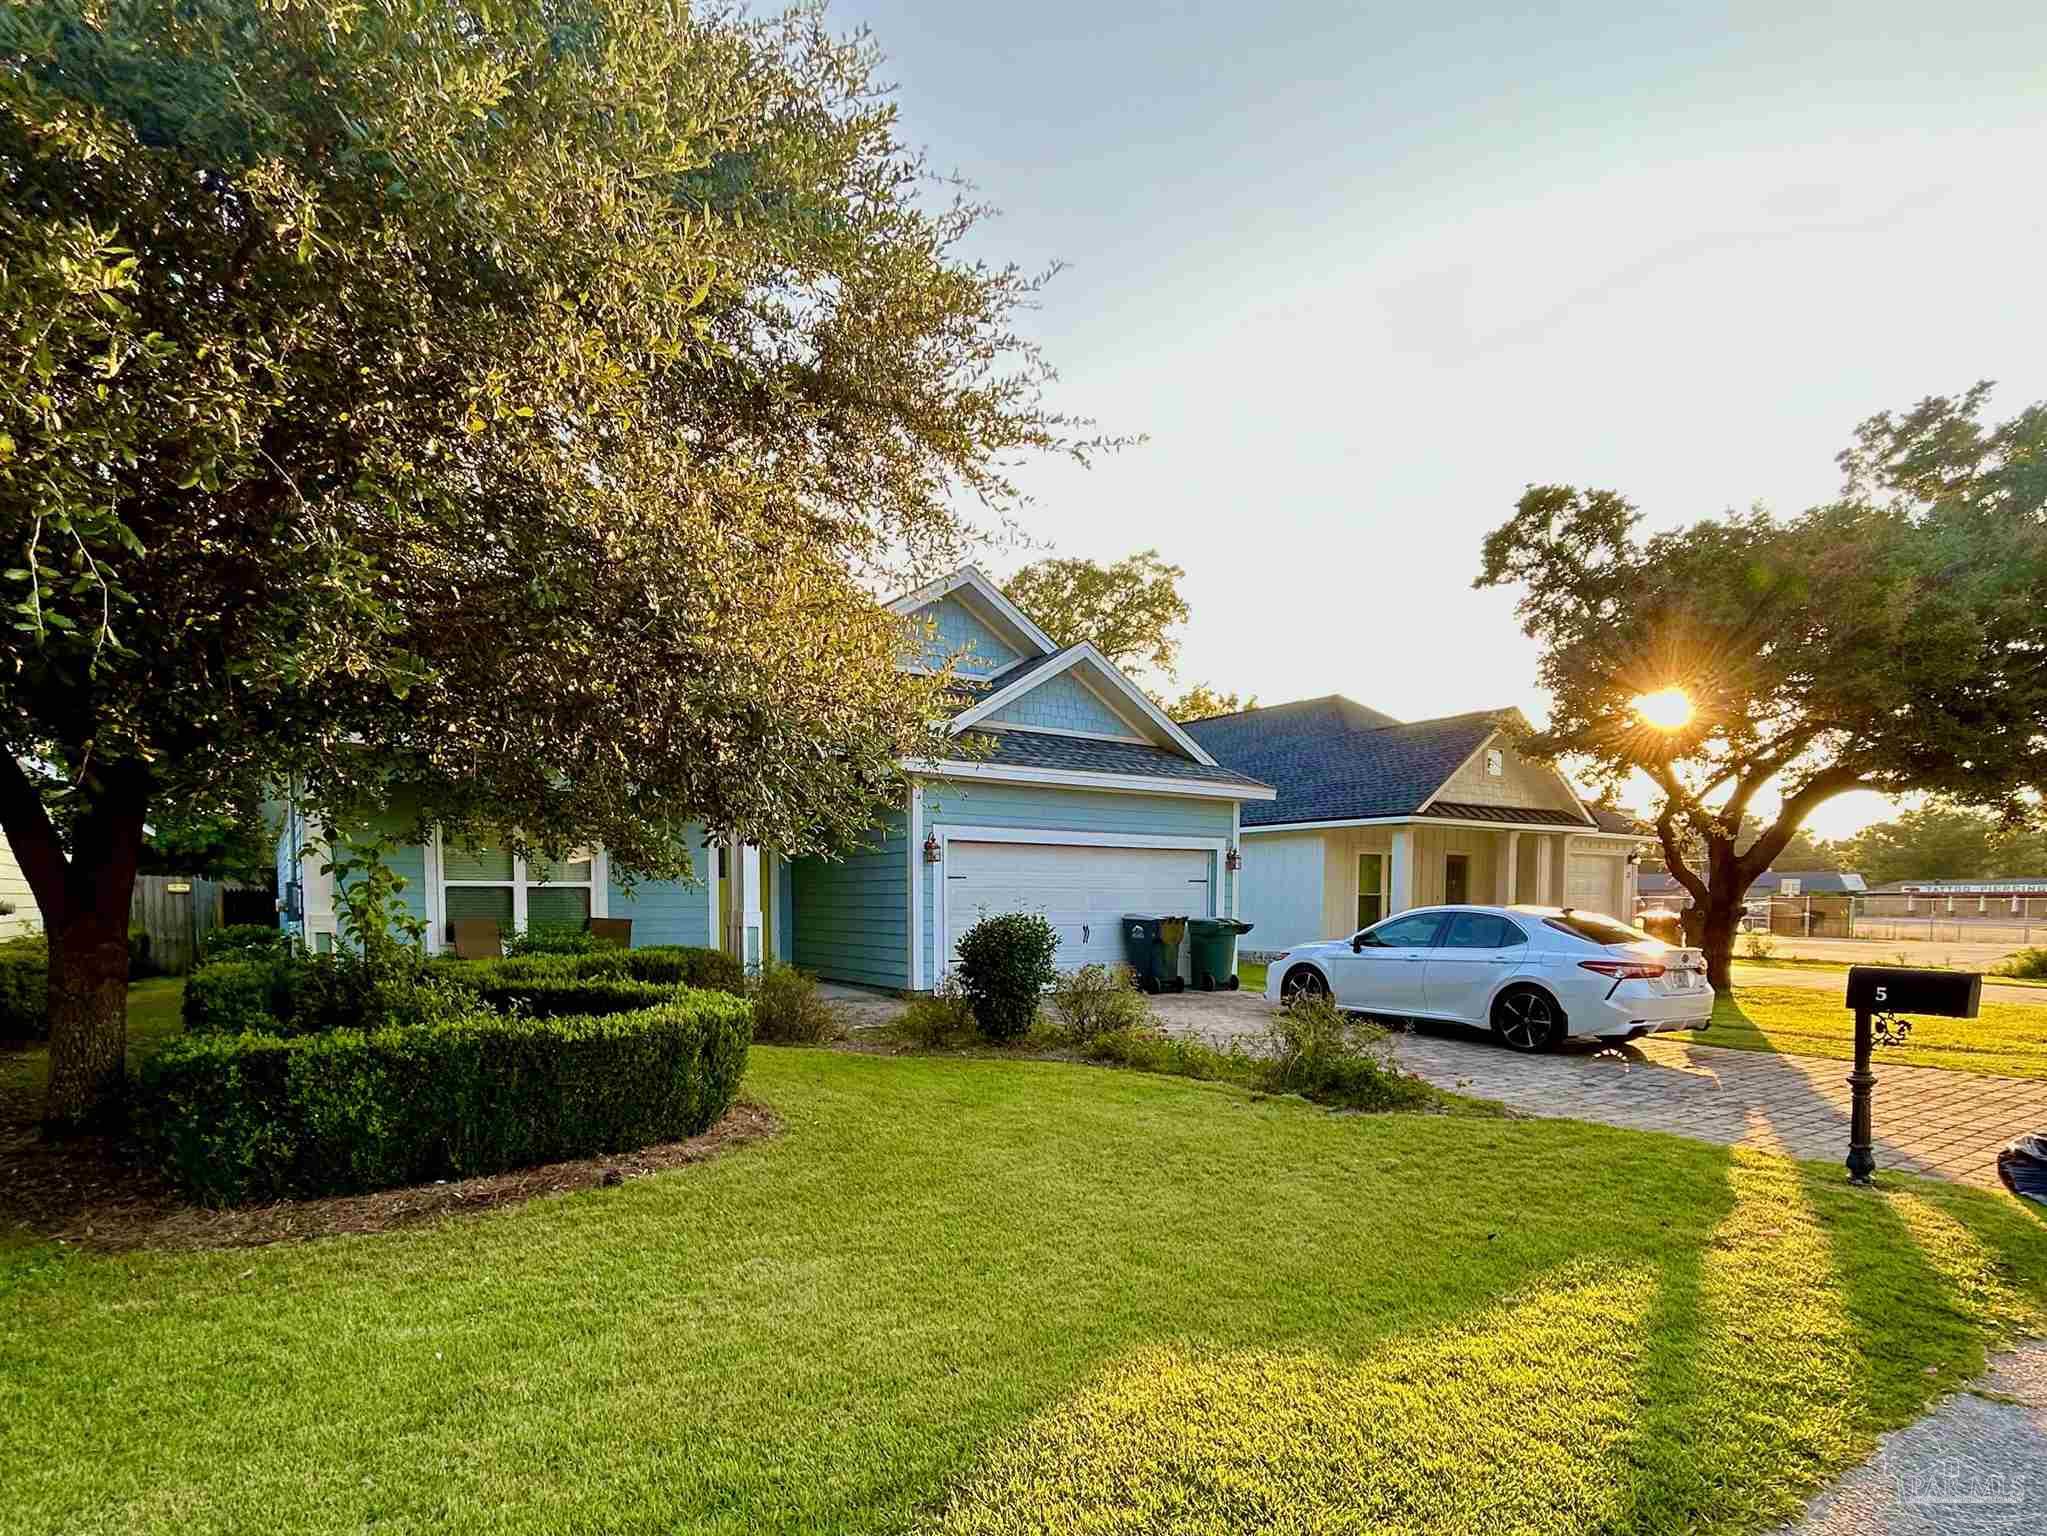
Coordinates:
column 930, row 847
column 1233, row 860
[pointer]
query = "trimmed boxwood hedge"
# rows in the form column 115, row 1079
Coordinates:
column 555, row 997
column 232, row 1118
column 675, row 964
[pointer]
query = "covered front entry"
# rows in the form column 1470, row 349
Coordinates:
column 1083, row 889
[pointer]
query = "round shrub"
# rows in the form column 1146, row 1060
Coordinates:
column 232, row 1118
column 244, row 941
column 25, row 988
column 1005, row 964
column 1097, row 999
column 789, row 1010
column 231, row 997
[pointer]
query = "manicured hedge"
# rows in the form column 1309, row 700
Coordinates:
column 676, row 965
column 232, row 1118
column 230, row 997
column 244, row 941
column 555, row 997
column 25, row 988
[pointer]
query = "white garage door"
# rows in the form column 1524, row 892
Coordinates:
column 1592, row 883
column 1083, row 891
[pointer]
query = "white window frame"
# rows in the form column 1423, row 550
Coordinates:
column 438, row 885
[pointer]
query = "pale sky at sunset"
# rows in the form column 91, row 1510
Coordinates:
column 1362, row 271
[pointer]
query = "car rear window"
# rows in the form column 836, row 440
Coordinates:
column 1595, row 929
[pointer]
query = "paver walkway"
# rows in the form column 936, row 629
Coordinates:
column 1928, row 1120
column 1977, row 1465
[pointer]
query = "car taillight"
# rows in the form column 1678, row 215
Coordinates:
column 1623, row 970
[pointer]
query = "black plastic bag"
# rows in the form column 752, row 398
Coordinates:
column 2023, row 1167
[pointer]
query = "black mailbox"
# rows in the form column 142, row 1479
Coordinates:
column 1896, row 989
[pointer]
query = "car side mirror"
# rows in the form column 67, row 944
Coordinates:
column 1357, row 943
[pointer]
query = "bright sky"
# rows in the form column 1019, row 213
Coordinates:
column 1361, row 271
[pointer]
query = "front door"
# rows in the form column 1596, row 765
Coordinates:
column 1382, row 971
column 1457, row 880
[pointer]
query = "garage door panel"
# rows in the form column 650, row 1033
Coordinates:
column 1592, row 883
column 1082, row 890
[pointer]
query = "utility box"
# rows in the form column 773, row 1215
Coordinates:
column 1897, row 989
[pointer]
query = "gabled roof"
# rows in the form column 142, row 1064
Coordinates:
column 1612, row 819
column 1332, row 759
column 981, row 594
column 1007, row 687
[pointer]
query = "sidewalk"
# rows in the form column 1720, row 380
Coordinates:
column 1975, row 1466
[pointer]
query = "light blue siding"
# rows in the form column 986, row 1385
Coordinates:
column 959, row 631
column 1062, row 704
column 1043, row 807
column 669, row 911
column 1283, row 879
column 851, row 916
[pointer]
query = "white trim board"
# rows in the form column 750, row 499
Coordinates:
column 941, row 943
column 1073, row 778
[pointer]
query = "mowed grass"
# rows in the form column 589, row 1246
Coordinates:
column 993, row 1296
column 154, row 1017
column 2009, row 1039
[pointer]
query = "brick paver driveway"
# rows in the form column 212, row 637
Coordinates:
column 1929, row 1120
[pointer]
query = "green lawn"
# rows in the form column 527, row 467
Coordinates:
column 987, row 1295
column 153, row 1018
column 1251, row 975
column 2010, row 1039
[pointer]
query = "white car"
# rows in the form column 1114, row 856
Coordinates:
column 1535, row 975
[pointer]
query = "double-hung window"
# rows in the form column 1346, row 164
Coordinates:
column 491, row 882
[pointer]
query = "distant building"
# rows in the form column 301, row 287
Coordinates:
column 1663, row 888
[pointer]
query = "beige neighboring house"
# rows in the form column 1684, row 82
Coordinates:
column 1376, row 815
column 14, row 892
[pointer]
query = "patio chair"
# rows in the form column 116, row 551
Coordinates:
column 611, row 932
column 477, row 938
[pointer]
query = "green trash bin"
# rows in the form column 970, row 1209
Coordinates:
column 1151, row 943
column 1213, row 956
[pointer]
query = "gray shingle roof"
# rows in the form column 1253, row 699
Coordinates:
column 1335, row 760
column 1611, row 820
column 1081, row 754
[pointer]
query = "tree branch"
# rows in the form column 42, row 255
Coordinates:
column 26, row 821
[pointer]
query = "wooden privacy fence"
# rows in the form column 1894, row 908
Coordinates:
column 178, row 911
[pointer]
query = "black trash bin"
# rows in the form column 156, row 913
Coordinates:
column 1151, row 943
column 1212, row 953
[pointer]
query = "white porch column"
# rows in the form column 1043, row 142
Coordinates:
column 749, row 867
column 1545, row 871
column 1510, row 867
column 1400, row 872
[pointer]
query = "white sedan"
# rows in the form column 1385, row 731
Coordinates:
column 1534, row 974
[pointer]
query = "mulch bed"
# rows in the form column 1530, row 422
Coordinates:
column 90, row 1192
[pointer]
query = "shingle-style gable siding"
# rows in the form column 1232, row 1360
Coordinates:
column 962, row 638
column 1521, row 783
column 852, row 915
column 1063, row 703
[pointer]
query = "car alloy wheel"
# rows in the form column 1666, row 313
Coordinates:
column 1526, row 1019
column 1303, row 981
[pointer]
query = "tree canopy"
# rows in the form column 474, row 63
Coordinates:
column 1202, row 702
column 1890, row 640
column 503, row 400
column 1946, row 842
column 1129, row 611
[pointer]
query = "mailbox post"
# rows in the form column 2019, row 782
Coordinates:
column 1878, row 993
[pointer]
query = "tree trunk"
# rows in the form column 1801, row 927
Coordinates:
column 88, row 1018
column 1712, row 928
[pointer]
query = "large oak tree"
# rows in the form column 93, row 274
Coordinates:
column 1895, row 639
column 510, row 404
